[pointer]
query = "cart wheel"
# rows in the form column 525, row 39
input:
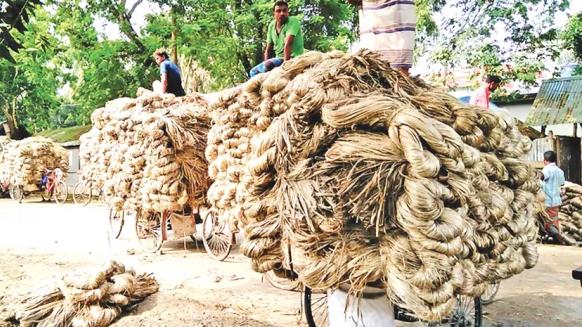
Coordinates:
column 60, row 192
column 17, row 193
column 490, row 293
column 216, row 236
column 148, row 229
column 467, row 313
column 82, row 194
column 316, row 309
column 116, row 222
column 285, row 284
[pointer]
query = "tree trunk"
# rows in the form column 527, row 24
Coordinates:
column 174, row 42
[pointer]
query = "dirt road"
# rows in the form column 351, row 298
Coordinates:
column 42, row 241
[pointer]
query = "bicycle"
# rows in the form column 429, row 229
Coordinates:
column 83, row 193
column 152, row 230
column 51, row 187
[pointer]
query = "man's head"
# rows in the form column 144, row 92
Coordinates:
column 549, row 157
column 281, row 11
column 160, row 55
column 493, row 82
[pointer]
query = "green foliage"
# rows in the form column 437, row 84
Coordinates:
column 572, row 36
column 469, row 35
column 13, row 15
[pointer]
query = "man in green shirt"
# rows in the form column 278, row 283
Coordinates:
column 284, row 37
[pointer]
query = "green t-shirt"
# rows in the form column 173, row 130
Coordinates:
column 291, row 27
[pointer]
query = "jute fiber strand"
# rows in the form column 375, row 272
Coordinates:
column 359, row 174
column 147, row 153
column 570, row 215
column 26, row 160
column 86, row 299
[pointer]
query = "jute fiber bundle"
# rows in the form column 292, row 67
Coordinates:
column 4, row 148
column 26, row 160
column 571, row 213
column 373, row 176
column 148, row 153
column 93, row 299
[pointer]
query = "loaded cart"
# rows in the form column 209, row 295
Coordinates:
column 146, row 156
column 35, row 165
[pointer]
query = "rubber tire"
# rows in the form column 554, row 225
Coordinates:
column 206, row 241
column 489, row 299
column 113, row 229
column 61, row 186
column 77, row 191
column 17, row 193
column 160, row 241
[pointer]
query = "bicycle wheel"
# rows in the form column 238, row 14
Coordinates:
column 17, row 193
column 116, row 222
column 282, row 283
column 216, row 236
column 82, row 194
column 467, row 313
column 316, row 309
column 490, row 293
column 148, row 229
column 60, row 192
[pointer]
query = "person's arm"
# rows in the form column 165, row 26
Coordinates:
column 164, row 76
column 288, row 47
column 268, row 50
column 292, row 32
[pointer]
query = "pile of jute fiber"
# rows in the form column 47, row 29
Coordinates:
column 571, row 213
column 359, row 174
column 93, row 299
column 26, row 160
column 4, row 146
column 148, row 152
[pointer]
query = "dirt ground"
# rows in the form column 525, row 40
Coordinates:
column 42, row 241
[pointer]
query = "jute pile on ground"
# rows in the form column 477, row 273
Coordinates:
column 148, row 152
column 373, row 176
column 93, row 299
column 25, row 161
column 571, row 213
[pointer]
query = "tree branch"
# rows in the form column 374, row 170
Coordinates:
column 137, row 3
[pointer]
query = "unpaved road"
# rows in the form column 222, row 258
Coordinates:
column 41, row 241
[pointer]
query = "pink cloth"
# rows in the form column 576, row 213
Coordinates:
column 481, row 97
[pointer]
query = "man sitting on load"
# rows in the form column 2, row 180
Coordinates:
column 284, row 36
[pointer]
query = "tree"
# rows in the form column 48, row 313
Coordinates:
column 13, row 15
column 469, row 34
column 572, row 37
column 29, row 84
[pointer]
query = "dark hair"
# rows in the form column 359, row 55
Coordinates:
column 161, row 52
column 280, row 3
column 493, row 79
column 550, row 156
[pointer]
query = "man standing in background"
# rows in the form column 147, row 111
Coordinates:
column 169, row 73
column 552, row 179
column 388, row 27
column 482, row 96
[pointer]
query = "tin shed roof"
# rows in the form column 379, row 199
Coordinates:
column 559, row 101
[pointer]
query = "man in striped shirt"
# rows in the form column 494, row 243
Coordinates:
column 388, row 27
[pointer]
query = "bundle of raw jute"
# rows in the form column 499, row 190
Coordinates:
column 148, row 153
column 86, row 299
column 4, row 145
column 26, row 160
column 571, row 213
column 373, row 176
